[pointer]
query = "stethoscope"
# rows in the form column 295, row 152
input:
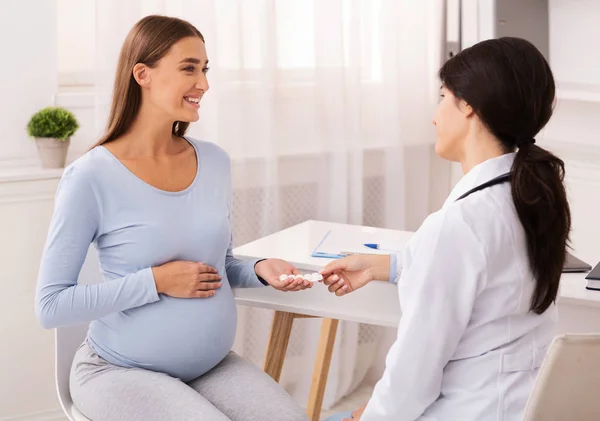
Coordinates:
column 493, row 182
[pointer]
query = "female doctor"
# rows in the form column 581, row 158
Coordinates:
column 480, row 276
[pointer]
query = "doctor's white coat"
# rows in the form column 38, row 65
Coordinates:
column 468, row 348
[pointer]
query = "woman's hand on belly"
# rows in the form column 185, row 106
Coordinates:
column 182, row 279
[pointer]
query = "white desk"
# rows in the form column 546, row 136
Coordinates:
column 377, row 303
column 572, row 287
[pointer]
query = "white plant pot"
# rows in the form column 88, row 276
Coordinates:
column 53, row 152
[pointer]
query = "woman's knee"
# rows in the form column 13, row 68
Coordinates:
column 294, row 415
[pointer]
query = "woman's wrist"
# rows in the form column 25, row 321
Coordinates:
column 156, row 272
column 260, row 278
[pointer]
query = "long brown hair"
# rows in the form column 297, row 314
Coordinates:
column 147, row 42
column 509, row 84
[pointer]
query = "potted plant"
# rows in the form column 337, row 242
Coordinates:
column 52, row 128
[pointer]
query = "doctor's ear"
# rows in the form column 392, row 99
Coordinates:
column 466, row 109
column 141, row 74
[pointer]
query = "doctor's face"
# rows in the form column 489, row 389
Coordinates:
column 451, row 125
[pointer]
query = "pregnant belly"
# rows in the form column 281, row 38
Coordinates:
column 184, row 338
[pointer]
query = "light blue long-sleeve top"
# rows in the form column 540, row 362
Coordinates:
column 135, row 226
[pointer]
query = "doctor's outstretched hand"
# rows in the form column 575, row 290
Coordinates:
column 353, row 272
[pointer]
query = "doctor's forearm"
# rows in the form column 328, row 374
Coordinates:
column 380, row 267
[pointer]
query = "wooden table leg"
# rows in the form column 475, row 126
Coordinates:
column 321, row 369
column 279, row 337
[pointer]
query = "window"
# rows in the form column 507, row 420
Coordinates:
column 243, row 38
column 300, row 59
column 76, row 40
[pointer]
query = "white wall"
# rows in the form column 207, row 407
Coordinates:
column 27, row 83
column 26, row 351
column 573, row 131
column 28, row 73
column 574, row 54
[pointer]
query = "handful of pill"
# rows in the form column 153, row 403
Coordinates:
column 311, row 277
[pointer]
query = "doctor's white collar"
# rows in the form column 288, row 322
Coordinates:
column 480, row 174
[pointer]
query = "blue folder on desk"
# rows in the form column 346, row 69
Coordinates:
column 317, row 252
column 337, row 247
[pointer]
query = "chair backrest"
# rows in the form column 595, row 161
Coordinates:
column 568, row 383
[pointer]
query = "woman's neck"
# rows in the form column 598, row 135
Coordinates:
column 479, row 147
column 150, row 134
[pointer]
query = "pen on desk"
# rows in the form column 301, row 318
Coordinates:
column 375, row 246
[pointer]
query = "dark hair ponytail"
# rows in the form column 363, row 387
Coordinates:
column 541, row 203
column 510, row 86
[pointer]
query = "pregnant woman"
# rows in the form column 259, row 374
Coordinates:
column 157, row 207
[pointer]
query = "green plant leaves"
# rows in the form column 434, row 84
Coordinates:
column 53, row 122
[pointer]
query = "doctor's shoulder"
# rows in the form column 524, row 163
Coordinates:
column 446, row 229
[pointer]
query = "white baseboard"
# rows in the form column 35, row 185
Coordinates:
column 53, row 415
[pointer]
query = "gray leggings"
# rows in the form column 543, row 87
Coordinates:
column 235, row 390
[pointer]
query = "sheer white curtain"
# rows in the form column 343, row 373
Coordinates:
column 325, row 108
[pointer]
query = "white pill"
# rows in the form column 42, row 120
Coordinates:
column 311, row 277
column 316, row 277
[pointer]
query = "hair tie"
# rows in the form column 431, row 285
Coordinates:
column 524, row 141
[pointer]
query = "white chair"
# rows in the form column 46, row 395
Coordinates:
column 67, row 340
column 568, row 382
